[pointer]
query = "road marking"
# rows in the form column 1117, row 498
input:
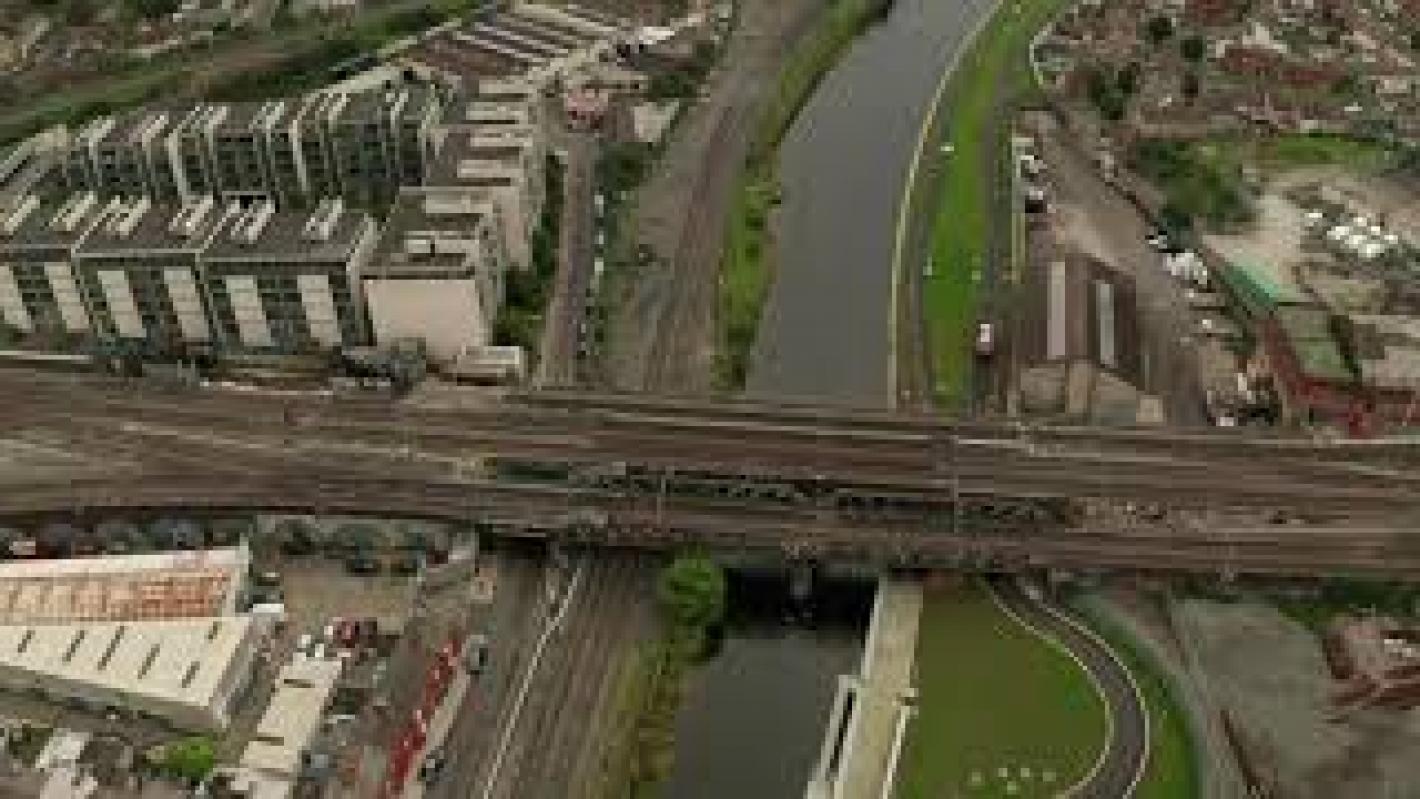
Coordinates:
column 553, row 625
column 899, row 240
column 1110, row 731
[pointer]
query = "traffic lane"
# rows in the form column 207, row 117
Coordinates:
column 1126, row 751
column 510, row 624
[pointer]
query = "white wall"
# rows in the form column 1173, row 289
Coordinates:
column 445, row 314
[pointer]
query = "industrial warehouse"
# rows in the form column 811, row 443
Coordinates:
column 155, row 635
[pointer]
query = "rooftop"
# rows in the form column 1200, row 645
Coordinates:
column 303, row 689
column 42, row 226
column 180, row 661
column 329, row 233
column 139, row 225
column 122, row 587
column 430, row 234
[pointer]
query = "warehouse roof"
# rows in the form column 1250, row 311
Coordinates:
column 1308, row 330
column 122, row 587
column 1257, row 290
column 174, row 661
column 303, row 690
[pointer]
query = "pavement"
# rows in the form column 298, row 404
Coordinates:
column 883, row 688
column 1167, row 331
column 1126, row 753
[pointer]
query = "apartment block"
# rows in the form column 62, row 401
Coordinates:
column 139, row 272
column 285, row 282
column 362, row 146
column 503, row 164
column 38, row 292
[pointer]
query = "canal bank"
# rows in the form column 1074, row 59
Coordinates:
column 824, row 333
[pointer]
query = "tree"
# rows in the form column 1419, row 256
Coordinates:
column 1193, row 48
column 153, row 9
column 1190, row 86
column 190, row 759
column 692, row 592
column 1159, row 29
column 1128, row 79
column 1415, row 40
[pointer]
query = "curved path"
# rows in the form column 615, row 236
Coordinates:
column 1121, row 765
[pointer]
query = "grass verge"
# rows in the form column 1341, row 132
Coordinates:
column 287, row 60
column 1173, row 768
column 995, row 697
column 747, row 267
column 991, row 78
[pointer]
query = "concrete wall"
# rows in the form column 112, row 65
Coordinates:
column 445, row 314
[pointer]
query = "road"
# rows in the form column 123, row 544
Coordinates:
column 1126, row 752
column 567, row 309
column 511, row 622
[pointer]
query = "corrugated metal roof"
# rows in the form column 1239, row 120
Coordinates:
column 1308, row 330
column 1258, row 290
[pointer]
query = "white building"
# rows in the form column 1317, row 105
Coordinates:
column 272, row 762
column 186, row 671
column 503, row 163
column 437, row 275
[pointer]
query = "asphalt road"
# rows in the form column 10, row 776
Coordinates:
column 825, row 331
column 511, row 622
column 1126, row 751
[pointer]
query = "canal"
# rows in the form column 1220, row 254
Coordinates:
column 824, row 334
column 753, row 717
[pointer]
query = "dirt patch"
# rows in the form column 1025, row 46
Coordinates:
column 1270, row 677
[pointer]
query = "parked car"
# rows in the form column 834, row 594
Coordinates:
column 433, row 767
column 475, row 654
column 985, row 339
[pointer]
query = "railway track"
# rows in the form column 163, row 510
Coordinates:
column 592, row 517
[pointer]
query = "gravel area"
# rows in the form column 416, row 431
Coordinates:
column 1269, row 675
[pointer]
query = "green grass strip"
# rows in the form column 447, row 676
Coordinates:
column 995, row 700
column 997, row 62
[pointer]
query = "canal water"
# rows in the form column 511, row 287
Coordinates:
column 753, row 717
column 824, row 335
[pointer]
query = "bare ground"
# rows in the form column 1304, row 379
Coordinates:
column 1269, row 674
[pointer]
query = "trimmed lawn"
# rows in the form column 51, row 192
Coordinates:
column 995, row 697
column 993, row 73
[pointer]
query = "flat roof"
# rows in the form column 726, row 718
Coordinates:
column 179, row 661
column 302, row 691
column 122, row 587
column 283, row 239
column 151, row 230
column 427, row 217
column 41, row 230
